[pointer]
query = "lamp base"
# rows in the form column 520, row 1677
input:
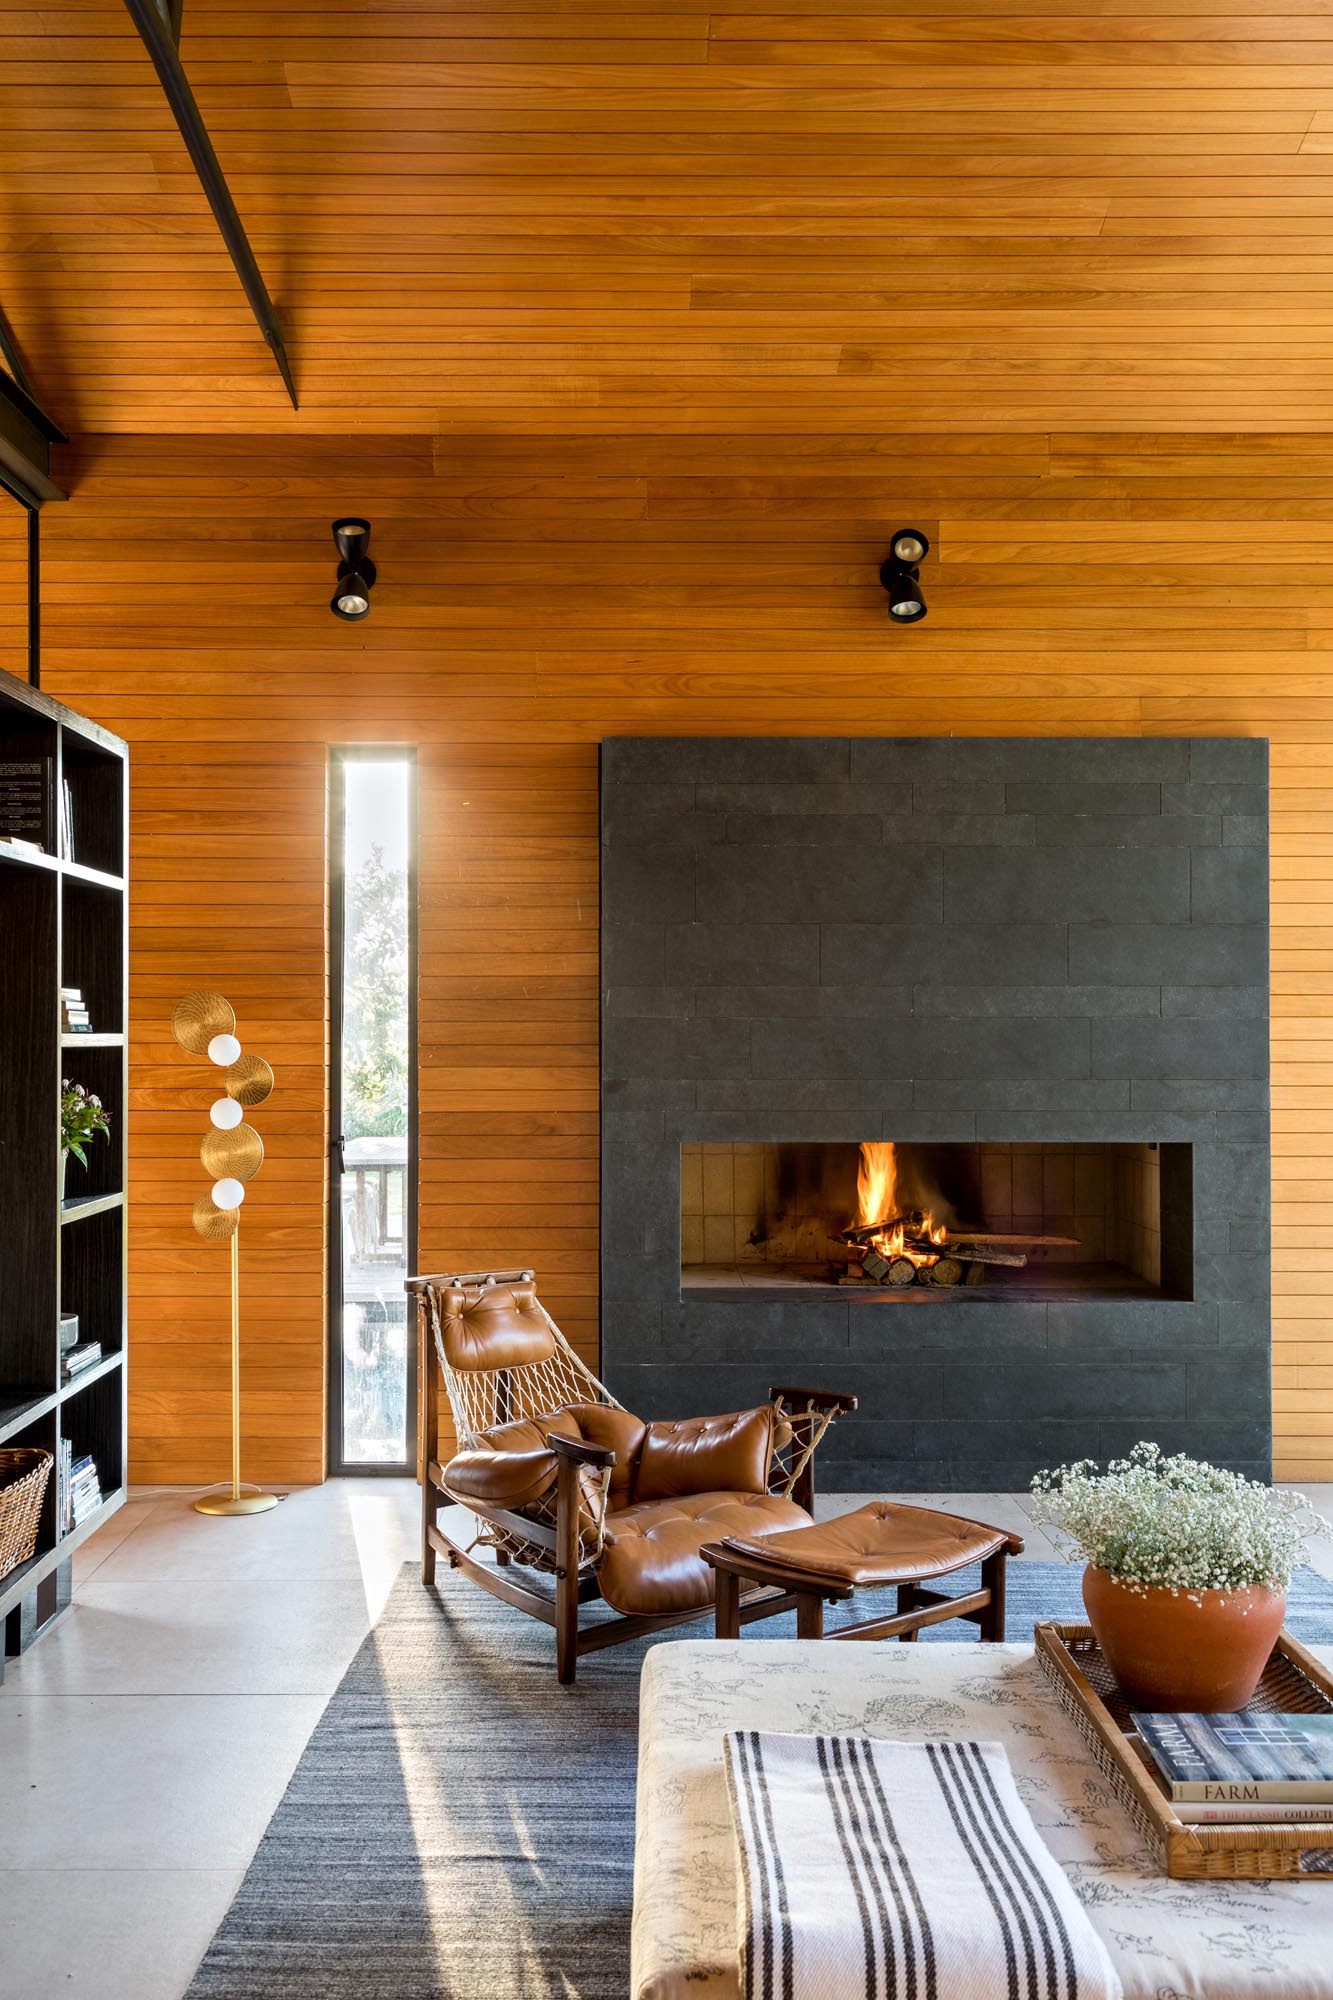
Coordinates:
column 221, row 1500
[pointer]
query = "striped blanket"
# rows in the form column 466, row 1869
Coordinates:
column 901, row 1871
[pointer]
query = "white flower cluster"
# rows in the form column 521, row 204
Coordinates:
column 1176, row 1524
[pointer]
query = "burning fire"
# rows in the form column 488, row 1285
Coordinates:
column 877, row 1201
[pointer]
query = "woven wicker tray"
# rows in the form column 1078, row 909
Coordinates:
column 1293, row 1680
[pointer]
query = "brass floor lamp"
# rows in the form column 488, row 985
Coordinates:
column 204, row 1024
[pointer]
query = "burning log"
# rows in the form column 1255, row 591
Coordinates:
column 911, row 1220
column 949, row 1271
column 902, row 1271
column 972, row 1252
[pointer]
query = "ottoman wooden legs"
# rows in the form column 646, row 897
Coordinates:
column 916, row 1605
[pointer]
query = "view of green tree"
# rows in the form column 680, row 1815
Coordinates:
column 375, row 1001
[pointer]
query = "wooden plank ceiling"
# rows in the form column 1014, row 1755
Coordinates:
column 581, row 217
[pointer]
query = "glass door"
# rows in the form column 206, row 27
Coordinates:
column 372, row 1176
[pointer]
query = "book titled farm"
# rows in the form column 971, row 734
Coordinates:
column 1249, row 1758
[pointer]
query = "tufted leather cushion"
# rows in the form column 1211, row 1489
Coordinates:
column 513, row 1464
column 728, row 1454
column 652, row 1565
column 882, row 1543
column 495, row 1326
column 623, row 1433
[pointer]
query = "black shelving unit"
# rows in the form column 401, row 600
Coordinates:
column 62, row 1250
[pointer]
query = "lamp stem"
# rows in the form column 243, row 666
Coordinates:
column 236, row 1362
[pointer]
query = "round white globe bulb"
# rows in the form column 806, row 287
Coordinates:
column 223, row 1050
column 226, row 1114
column 228, row 1194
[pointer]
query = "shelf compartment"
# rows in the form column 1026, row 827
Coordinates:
column 103, row 1072
column 92, row 955
column 29, row 1085
column 28, row 748
column 92, row 1263
column 92, row 1420
column 41, row 1434
column 96, row 781
column 21, row 1405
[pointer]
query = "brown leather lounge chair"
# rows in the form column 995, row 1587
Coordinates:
column 561, row 1479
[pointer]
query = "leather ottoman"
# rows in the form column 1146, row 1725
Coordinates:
column 876, row 1546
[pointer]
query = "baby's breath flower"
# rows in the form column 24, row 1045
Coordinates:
column 1177, row 1524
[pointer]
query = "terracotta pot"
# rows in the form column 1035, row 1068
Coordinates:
column 1173, row 1652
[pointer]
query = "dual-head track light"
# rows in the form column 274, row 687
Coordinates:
column 900, row 575
column 356, row 572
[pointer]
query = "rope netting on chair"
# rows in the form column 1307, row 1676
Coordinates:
column 482, row 1398
column 796, row 1437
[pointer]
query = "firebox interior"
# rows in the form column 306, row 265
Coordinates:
column 910, row 1221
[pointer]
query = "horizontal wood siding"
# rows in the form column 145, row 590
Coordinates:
column 534, row 596
column 563, row 215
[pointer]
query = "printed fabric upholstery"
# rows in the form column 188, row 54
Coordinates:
column 651, row 1565
column 728, row 1454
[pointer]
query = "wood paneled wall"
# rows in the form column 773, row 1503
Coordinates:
column 534, row 596
column 565, row 215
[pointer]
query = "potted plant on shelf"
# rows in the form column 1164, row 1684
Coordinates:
column 1187, row 1571
column 82, row 1117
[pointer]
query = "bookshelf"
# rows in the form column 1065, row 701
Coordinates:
column 63, row 921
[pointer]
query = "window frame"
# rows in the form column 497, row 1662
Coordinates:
column 340, row 756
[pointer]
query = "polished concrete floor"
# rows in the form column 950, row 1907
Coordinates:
column 147, row 1738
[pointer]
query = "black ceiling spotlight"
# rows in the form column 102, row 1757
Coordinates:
column 356, row 572
column 900, row 575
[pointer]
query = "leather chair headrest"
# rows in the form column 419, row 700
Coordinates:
column 493, row 1326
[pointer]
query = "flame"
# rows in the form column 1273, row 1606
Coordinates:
column 877, row 1198
column 876, row 1181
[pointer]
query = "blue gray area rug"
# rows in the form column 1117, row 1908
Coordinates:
column 461, row 1828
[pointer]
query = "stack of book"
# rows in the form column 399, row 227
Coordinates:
column 1251, row 1767
column 64, row 1465
column 74, row 1017
column 85, row 1491
column 86, row 1355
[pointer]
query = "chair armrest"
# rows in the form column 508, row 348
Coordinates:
column 579, row 1453
column 822, row 1399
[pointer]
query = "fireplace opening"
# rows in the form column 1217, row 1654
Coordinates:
column 906, row 1220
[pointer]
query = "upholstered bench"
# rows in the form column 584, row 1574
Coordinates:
column 875, row 1546
column 1222, row 1940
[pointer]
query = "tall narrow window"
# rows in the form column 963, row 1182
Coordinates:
column 373, row 1109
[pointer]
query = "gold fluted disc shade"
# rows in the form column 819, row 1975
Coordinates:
column 200, row 1016
column 214, row 1223
column 238, row 1154
column 249, row 1080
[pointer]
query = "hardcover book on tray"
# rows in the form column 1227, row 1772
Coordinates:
column 1252, row 1758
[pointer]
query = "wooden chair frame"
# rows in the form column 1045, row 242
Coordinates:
column 558, row 1546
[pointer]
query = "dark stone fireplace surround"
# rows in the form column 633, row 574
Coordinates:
column 942, row 939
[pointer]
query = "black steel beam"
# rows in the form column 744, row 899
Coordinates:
column 26, row 437
column 156, row 36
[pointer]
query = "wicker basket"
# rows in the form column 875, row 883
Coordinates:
column 23, row 1477
column 1293, row 1680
